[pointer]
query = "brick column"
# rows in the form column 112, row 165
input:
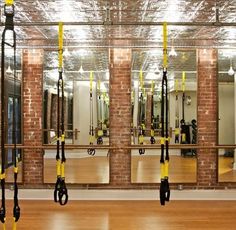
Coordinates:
column 149, row 114
column 207, row 159
column 120, row 115
column 32, row 115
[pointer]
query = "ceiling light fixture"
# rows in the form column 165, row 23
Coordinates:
column 172, row 51
column 81, row 70
column 9, row 70
column 231, row 71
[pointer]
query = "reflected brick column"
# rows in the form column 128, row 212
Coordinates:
column 32, row 115
column 207, row 117
column 120, row 115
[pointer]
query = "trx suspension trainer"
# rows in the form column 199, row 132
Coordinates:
column 100, row 125
column 164, row 161
column 141, row 114
column 9, row 26
column 60, row 192
column 176, row 111
column 152, row 139
column 91, row 151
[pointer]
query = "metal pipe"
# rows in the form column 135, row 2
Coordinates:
column 179, row 146
column 137, row 23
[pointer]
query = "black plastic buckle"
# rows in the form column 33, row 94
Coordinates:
column 152, row 140
column 9, row 12
column 141, row 151
column 63, row 194
column 99, row 141
column 91, row 152
column 57, row 189
column 3, row 214
column 164, row 191
column 16, row 213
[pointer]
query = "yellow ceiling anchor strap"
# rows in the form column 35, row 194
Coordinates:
column 9, row 2
column 60, row 45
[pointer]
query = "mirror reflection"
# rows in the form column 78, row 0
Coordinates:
column 146, row 111
column 86, row 87
column 226, row 119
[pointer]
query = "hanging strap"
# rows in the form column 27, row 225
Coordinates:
column 164, row 160
column 176, row 111
column 100, row 125
column 152, row 133
column 91, row 151
column 60, row 191
column 9, row 26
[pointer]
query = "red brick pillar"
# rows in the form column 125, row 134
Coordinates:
column 120, row 115
column 207, row 159
column 32, row 115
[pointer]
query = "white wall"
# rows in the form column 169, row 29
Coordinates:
column 81, row 110
column 226, row 113
column 190, row 111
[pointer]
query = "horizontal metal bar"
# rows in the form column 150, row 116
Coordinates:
column 155, row 146
column 137, row 23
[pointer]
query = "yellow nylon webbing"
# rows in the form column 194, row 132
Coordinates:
column 162, row 141
column 100, row 133
column 176, row 85
column 60, row 44
column 91, row 81
column 141, row 139
column 166, row 169
column 14, row 224
column 91, row 139
column 63, row 169
column 176, row 131
column 183, row 80
column 152, row 133
column 141, row 79
column 58, row 168
column 9, row 2
column 152, row 87
column 63, row 138
column 183, row 137
column 15, row 169
column 165, row 45
column 162, row 170
column 2, row 176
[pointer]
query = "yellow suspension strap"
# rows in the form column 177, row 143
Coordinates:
column 100, row 126
column 60, row 192
column 141, row 114
column 9, row 11
column 91, row 151
column 152, row 139
column 182, row 122
column 176, row 111
column 164, row 160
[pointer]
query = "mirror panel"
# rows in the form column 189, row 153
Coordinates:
column 86, row 115
column 146, row 111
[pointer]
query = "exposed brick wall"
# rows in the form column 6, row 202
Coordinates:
column 120, row 115
column 32, row 115
column 207, row 160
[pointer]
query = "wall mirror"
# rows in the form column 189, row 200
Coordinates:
column 146, row 111
column 86, row 85
column 226, row 113
column 10, row 97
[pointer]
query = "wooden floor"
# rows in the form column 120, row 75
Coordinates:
column 125, row 215
column 145, row 169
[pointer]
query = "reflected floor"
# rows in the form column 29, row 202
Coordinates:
column 226, row 172
column 80, row 167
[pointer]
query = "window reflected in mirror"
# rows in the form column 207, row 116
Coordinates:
column 146, row 111
column 86, row 118
column 13, row 99
column 226, row 119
